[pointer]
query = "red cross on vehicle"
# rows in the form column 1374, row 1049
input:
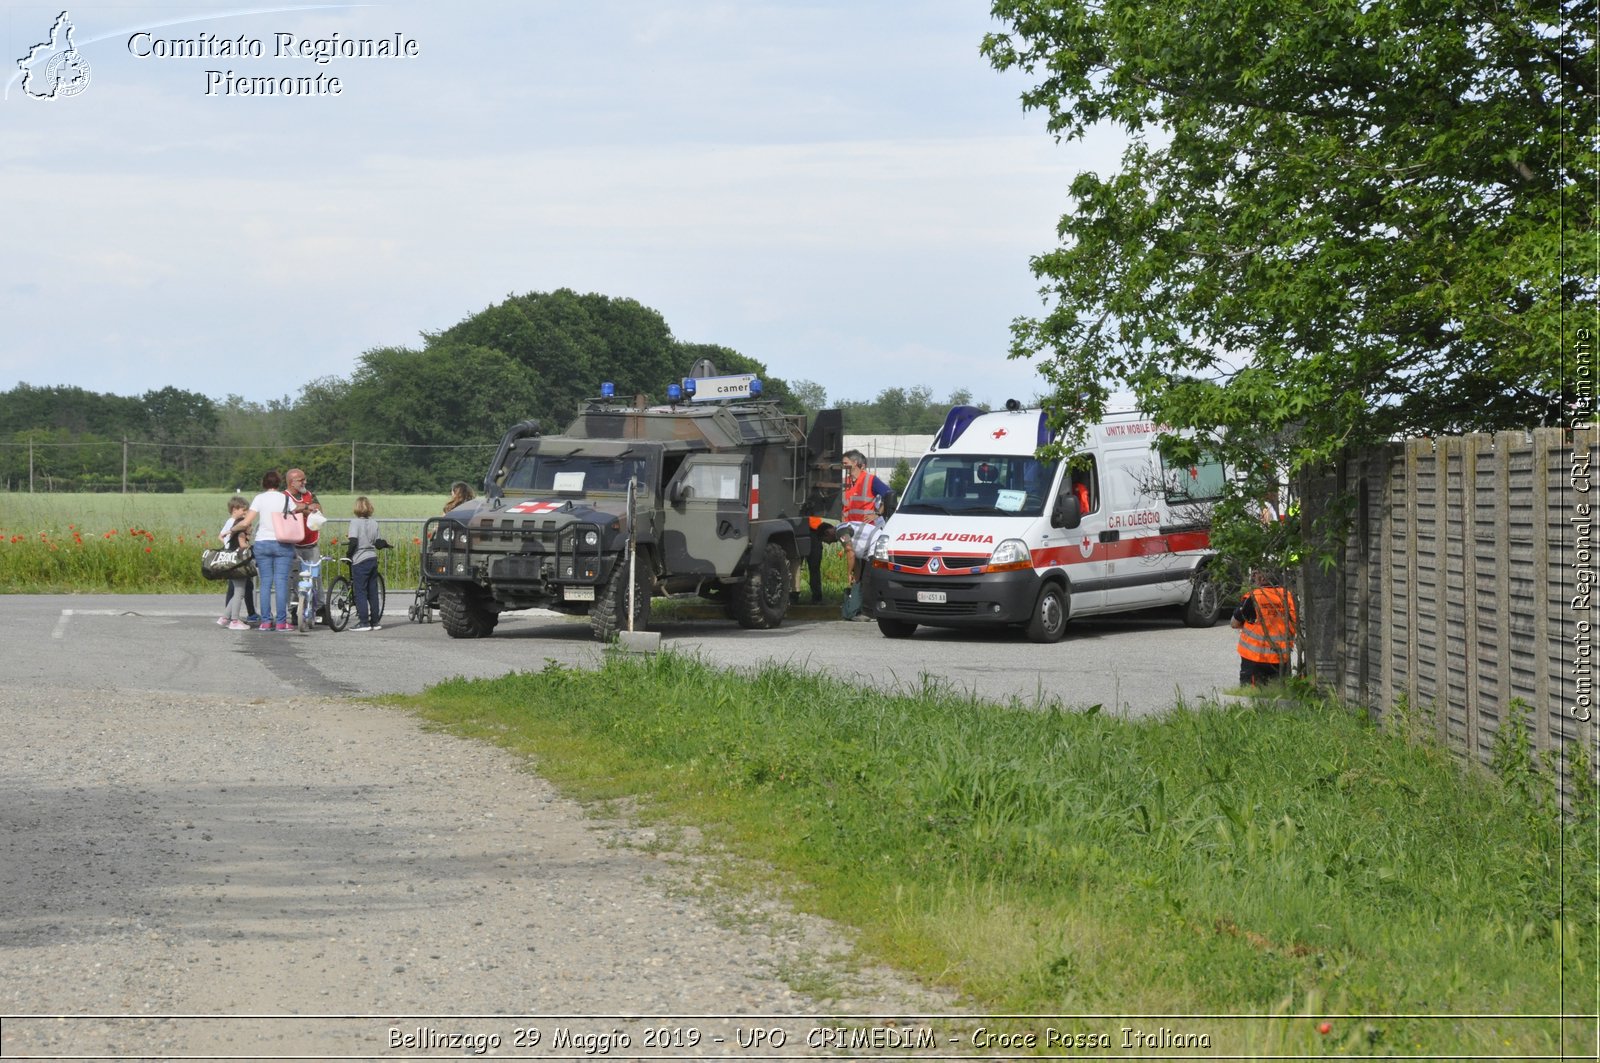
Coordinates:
column 534, row 507
column 998, row 432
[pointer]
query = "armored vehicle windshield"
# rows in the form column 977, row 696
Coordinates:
column 577, row 475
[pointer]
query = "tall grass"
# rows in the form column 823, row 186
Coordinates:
column 1286, row 863
column 150, row 544
column 55, row 543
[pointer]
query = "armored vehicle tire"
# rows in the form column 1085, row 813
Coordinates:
column 1049, row 622
column 896, row 629
column 609, row 615
column 763, row 597
column 464, row 613
column 1204, row 601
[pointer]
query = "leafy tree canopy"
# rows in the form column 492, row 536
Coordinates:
column 1335, row 221
column 570, row 343
column 895, row 411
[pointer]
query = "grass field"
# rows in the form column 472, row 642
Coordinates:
column 1297, row 866
column 150, row 544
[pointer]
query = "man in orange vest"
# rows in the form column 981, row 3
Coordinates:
column 1267, row 624
column 863, row 499
column 861, row 490
column 821, row 535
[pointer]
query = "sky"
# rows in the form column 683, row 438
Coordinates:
column 847, row 192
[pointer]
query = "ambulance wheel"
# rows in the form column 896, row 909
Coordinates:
column 1205, row 602
column 1049, row 622
column 896, row 629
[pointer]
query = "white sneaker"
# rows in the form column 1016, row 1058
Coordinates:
column 361, row 627
column 375, row 627
column 238, row 625
column 222, row 620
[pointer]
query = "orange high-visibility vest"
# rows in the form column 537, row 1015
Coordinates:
column 1266, row 639
column 859, row 505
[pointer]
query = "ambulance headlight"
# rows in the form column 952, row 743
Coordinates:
column 1012, row 553
column 880, row 549
column 591, row 539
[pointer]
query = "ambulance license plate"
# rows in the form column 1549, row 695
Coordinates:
column 931, row 597
column 577, row 594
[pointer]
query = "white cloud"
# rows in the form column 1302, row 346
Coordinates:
column 845, row 192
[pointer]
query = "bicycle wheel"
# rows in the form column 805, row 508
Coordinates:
column 305, row 613
column 340, row 597
column 381, row 597
column 419, row 612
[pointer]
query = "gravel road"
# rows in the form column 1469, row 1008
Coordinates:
column 190, row 855
column 209, row 848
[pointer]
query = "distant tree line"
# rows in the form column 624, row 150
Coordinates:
column 419, row 417
column 896, row 411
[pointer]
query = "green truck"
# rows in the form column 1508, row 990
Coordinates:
column 707, row 494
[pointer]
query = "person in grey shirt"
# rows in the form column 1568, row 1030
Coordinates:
column 364, row 564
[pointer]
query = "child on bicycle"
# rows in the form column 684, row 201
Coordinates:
column 363, row 550
column 238, row 603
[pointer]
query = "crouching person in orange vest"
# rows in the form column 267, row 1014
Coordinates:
column 1267, row 624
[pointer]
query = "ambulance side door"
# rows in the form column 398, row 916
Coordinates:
column 1081, row 551
column 1139, row 563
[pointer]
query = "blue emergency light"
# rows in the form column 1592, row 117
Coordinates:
column 688, row 385
column 755, row 386
column 674, row 393
column 608, row 390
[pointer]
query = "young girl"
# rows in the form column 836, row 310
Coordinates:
column 238, row 601
column 364, row 565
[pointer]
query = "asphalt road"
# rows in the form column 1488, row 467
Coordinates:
column 1137, row 664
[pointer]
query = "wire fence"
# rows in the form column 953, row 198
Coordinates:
column 145, row 466
column 401, row 564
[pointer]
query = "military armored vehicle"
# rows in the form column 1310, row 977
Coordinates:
column 707, row 494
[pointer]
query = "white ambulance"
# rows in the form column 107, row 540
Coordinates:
column 986, row 534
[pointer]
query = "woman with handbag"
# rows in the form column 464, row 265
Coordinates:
column 234, row 537
column 277, row 530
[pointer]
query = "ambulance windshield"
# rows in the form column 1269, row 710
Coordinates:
column 1011, row 485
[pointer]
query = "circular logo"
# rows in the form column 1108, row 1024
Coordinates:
column 933, row 565
column 67, row 74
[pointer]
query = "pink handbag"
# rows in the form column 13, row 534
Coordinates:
column 289, row 527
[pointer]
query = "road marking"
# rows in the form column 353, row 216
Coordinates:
column 68, row 614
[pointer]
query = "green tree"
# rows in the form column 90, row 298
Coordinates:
column 810, row 395
column 181, row 421
column 571, row 343
column 895, row 411
column 1334, row 222
column 900, row 477
column 437, row 413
